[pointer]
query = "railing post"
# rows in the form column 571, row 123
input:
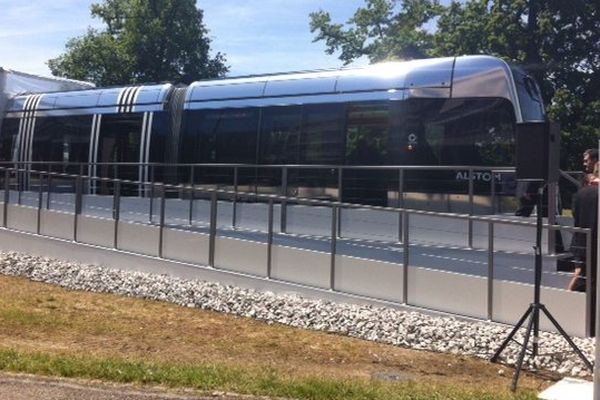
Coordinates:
column 49, row 190
column 400, row 202
column 340, row 189
column 116, row 211
column 284, row 185
column 20, row 187
column 490, row 277
column 6, row 196
column 235, row 197
column 270, row 240
column 161, row 225
column 78, row 204
column 213, row 229
column 334, row 224
column 151, row 210
column 588, row 283
column 552, row 209
column 405, row 256
column 493, row 192
column 471, row 209
column 40, row 201
column 191, row 216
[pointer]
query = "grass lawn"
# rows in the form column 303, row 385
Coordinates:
column 47, row 330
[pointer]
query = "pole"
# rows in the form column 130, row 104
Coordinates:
column 597, row 349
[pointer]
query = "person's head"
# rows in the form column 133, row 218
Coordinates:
column 590, row 158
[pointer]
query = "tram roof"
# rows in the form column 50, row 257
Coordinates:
column 465, row 76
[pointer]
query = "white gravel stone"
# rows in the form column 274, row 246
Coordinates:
column 381, row 324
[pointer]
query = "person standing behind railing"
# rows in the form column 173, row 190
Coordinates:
column 585, row 215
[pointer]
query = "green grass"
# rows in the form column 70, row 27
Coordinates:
column 238, row 380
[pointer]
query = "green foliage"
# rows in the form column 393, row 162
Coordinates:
column 144, row 41
column 383, row 30
column 556, row 41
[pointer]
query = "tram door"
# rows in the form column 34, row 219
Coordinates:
column 119, row 141
column 367, row 136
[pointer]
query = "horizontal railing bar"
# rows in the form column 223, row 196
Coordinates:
column 507, row 169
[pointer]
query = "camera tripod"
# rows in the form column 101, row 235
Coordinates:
column 532, row 314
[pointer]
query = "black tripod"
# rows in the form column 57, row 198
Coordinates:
column 533, row 312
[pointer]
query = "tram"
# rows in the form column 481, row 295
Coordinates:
column 455, row 111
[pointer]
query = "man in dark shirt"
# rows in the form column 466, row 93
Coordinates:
column 585, row 215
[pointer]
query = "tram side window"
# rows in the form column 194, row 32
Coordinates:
column 62, row 139
column 120, row 138
column 367, row 134
column 280, row 135
column 119, row 142
column 10, row 130
column 478, row 132
column 322, row 140
column 454, row 132
column 228, row 136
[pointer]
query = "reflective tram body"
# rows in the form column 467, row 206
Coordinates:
column 434, row 112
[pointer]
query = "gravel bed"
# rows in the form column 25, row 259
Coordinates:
column 386, row 325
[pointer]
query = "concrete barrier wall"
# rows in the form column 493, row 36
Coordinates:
column 447, row 291
column 185, row 246
column 96, row 231
column 138, row 238
column 512, row 299
column 301, row 266
column 22, row 218
column 241, row 255
column 57, row 224
column 370, row 278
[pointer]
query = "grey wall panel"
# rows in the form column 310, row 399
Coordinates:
column 138, row 238
column 57, row 224
column 96, row 231
column 511, row 300
column 301, row 266
column 375, row 279
column 241, row 256
column 446, row 291
column 185, row 246
column 22, row 218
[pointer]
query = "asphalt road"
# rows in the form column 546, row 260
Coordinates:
column 28, row 387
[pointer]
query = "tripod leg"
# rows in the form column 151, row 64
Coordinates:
column 519, row 364
column 567, row 338
column 510, row 336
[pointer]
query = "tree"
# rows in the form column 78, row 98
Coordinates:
column 384, row 30
column 556, row 41
column 144, row 41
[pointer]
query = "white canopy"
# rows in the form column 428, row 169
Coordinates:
column 13, row 83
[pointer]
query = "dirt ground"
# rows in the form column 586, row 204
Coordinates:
column 45, row 318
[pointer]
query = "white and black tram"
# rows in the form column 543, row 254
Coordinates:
column 437, row 112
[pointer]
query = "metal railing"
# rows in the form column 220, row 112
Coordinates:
column 44, row 186
column 473, row 173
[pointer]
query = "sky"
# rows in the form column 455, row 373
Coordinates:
column 257, row 36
